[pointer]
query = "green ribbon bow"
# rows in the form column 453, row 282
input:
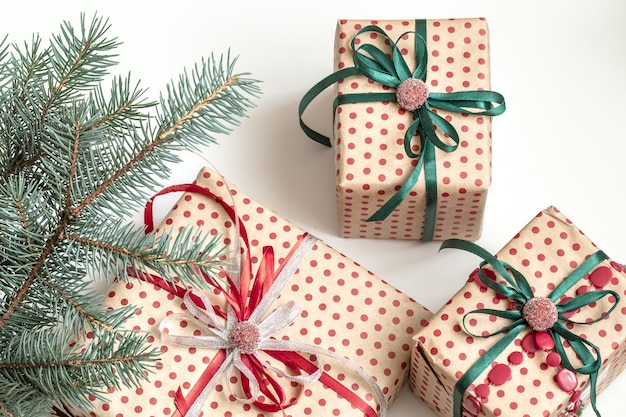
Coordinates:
column 390, row 71
column 519, row 289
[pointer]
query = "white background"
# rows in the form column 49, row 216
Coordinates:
column 560, row 65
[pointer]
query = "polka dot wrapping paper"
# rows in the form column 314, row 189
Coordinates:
column 369, row 147
column 529, row 377
column 345, row 309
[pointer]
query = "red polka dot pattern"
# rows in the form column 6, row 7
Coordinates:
column 545, row 251
column 332, row 290
column 370, row 160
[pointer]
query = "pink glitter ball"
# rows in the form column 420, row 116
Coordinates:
column 540, row 313
column 411, row 94
column 245, row 337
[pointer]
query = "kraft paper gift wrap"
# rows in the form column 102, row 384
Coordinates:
column 404, row 172
column 357, row 328
column 505, row 359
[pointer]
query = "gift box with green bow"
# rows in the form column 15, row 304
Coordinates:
column 412, row 127
column 298, row 329
column 539, row 329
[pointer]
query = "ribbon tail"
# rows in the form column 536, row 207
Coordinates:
column 252, row 379
column 313, row 93
column 395, row 200
column 385, row 211
column 270, row 387
column 264, row 279
column 430, row 176
column 196, row 406
column 589, row 360
column 181, row 403
column 286, row 272
column 290, row 346
column 207, row 315
column 593, row 381
column 480, row 365
column 591, row 364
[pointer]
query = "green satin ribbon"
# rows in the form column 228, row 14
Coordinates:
column 519, row 289
column 390, row 71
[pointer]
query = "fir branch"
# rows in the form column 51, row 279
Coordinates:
column 24, row 220
column 18, row 298
column 5, row 409
column 20, row 166
column 52, row 364
column 197, row 107
column 215, row 113
column 21, row 400
column 126, row 103
column 72, row 63
column 116, row 176
column 22, row 74
column 188, row 256
column 27, row 67
column 217, row 96
column 4, row 80
column 80, row 62
column 66, row 363
column 88, row 316
column 74, row 163
column 72, row 169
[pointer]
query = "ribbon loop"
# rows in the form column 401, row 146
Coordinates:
column 280, row 318
column 305, row 379
column 583, row 301
column 588, row 353
column 204, row 314
column 213, row 342
column 513, row 315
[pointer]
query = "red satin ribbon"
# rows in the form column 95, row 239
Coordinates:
column 243, row 299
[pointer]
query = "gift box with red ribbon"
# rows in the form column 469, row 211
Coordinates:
column 537, row 330
column 299, row 329
column 412, row 127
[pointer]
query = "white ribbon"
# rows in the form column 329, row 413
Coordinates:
column 280, row 318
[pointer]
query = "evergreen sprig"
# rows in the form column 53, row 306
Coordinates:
column 76, row 161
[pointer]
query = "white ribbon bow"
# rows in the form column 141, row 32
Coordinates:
column 255, row 335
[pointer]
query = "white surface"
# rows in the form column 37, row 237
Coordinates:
column 560, row 65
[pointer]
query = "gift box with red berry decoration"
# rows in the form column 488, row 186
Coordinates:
column 537, row 330
column 299, row 330
column 412, row 127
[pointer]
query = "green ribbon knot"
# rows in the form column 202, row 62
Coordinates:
column 390, row 70
column 518, row 289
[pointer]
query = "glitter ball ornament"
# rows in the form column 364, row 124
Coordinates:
column 245, row 337
column 540, row 313
column 411, row 94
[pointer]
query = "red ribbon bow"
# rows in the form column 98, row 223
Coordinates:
column 243, row 297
